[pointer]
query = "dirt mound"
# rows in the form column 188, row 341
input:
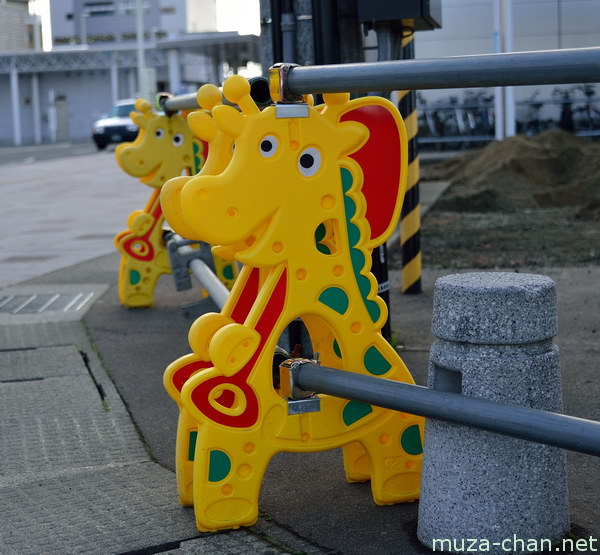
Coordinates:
column 553, row 169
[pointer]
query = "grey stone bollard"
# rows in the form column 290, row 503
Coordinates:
column 494, row 341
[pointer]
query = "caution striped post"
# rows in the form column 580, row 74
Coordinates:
column 410, row 217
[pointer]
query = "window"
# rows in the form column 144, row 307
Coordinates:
column 167, row 10
column 122, row 111
column 99, row 8
column 127, row 7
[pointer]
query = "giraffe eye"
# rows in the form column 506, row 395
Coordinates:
column 268, row 146
column 178, row 139
column 309, row 162
column 159, row 133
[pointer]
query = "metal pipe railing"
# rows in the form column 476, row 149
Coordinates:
column 207, row 278
column 577, row 65
column 545, row 67
column 558, row 430
column 259, row 91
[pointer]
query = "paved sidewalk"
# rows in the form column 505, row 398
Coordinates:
column 60, row 212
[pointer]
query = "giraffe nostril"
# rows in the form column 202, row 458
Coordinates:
column 141, row 162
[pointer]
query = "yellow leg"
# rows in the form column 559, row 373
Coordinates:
column 185, row 447
column 395, row 451
column 229, row 466
column 137, row 281
column 357, row 465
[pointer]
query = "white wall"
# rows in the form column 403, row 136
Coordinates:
column 61, row 26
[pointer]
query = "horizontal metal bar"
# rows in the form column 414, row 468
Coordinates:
column 182, row 102
column 558, row 430
column 217, row 291
column 577, row 65
column 259, row 91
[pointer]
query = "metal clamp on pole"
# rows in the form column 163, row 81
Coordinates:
column 299, row 400
column 278, row 84
column 179, row 260
column 159, row 102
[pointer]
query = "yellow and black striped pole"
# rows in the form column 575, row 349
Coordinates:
column 410, row 217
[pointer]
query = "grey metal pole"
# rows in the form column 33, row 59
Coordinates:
column 259, row 91
column 577, row 65
column 217, row 291
column 558, row 430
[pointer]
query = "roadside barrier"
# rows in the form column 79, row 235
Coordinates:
column 164, row 148
column 235, row 414
column 315, row 267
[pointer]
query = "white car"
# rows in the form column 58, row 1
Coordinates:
column 117, row 126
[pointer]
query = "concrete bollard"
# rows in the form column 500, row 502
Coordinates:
column 481, row 489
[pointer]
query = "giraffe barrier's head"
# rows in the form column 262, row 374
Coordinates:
column 219, row 148
column 285, row 177
column 164, row 148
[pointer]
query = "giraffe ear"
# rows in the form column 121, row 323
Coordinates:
column 202, row 125
column 382, row 158
column 229, row 120
column 354, row 135
column 138, row 119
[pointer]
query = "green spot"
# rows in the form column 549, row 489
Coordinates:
column 196, row 149
column 335, row 298
column 346, row 179
column 192, row 445
column 358, row 260
column 320, row 233
column 375, row 362
column 323, row 248
column 364, row 285
column 353, row 233
column 228, row 271
column 134, row 277
column 336, row 348
column 355, row 410
column 373, row 310
column 349, row 207
column 219, row 466
column 411, row 440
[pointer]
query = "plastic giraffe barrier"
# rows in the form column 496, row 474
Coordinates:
column 307, row 196
column 165, row 147
column 219, row 156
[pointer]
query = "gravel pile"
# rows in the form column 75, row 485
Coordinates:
column 519, row 203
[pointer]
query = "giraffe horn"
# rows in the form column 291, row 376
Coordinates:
column 209, row 96
column 237, row 90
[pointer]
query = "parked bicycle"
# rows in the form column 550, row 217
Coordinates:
column 587, row 117
column 566, row 121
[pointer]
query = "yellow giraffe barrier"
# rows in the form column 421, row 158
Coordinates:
column 308, row 194
column 164, row 148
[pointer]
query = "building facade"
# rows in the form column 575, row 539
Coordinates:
column 104, row 21
column 18, row 29
column 57, row 96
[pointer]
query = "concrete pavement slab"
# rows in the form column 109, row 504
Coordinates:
column 59, row 212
